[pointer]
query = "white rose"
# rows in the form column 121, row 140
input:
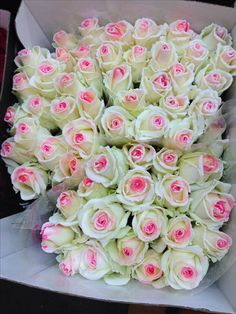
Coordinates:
column 136, row 57
column 90, row 189
column 175, row 106
column 21, row 86
column 165, row 162
column 181, row 78
column 69, row 203
column 196, row 53
column 214, row 34
column 163, row 56
column 68, row 84
column 109, row 55
column 225, row 59
column 64, row 40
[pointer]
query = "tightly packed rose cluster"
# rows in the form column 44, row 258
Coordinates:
column 128, row 117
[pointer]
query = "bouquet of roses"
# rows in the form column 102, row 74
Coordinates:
column 129, row 118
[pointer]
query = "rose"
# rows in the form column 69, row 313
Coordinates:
column 179, row 135
column 89, row 189
column 21, row 86
column 29, row 133
column 136, row 57
column 196, row 52
column 184, row 268
column 69, row 203
column 173, row 191
column 120, row 31
column 10, row 115
column 64, row 40
column 215, row 79
column 149, row 270
column 215, row 244
column 81, row 51
column 88, row 26
column 149, row 224
column 107, row 166
column 165, row 162
column 70, row 169
column 118, row 79
column 94, row 262
column 150, row 125
column 49, row 151
column 67, row 84
column 211, row 205
column 109, row 55
column 128, row 250
column 89, row 73
column 115, row 123
column 69, row 261
column 225, row 59
column 175, row 106
column 181, row 78
column 180, row 34
column 198, row 166
column 136, row 188
column 89, row 105
column 63, row 56
column 139, row 155
column 28, row 59
column 179, row 232
column 63, row 110
column 55, row 237
column 147, row 32
column 30, row 181
column 12, row 153
column 103, row 219
column 163, row 56
column 214, row 34
column 155, row 85
column 132, row 101
column 82, row 136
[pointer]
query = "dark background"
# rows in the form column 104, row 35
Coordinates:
column 16, row 298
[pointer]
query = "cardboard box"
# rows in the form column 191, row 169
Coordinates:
column 22, row 260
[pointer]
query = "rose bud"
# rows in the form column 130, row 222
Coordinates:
column 81, row 51
column 212, row 205
column 89, row 73
column 199, row 166
column 88, row 26
column 13, row 153
column 173, row 191
column 70, row 170
column 149, row 224
column 181, row 78
column 147, row 32
column 21, row 86
column 184, row 268
column 136, row 57
column 109, row 55
column 103, row 219
column 179, row 135
column 63, row 56
column 215, row 79
column 179, row 232
column 89, row 105
column 132, row 101
column 214, row 34
column 94, row 262
column 107, row 166
column 82, row 136
column 115, row 123
column 149, row 271
column 150, row 125
column 215, row 244
column 120, row 31
column 63, row 110
column 118, row 79
column 155, row 85
column 165, row 162
column 10, row 115
column 136, row 188
column 30, row 181
column 55, row 237
column 90, row 189
column 163, row 56
column 128, row 250
column 225, row 59
column 180, row 34
column 69, row 261
column 175, row 106
column 49, row 151
column 139, row 155
column 68, row 84
column 64, row 40
column 69, row 203
column 195, row 53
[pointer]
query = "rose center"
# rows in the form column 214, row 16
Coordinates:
column 138, row 184
column 102, row 221
column 64, row 200
column 210, row 164
column 87, row 182
column 222, row 244
column 183, row 26
column 46, row 68
column 92, row 258
column 100, row 164
column 150, row 228
column 169, row 158
column 23, row 128
column 188, row 272
column 127, row 251
column 79, row 138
